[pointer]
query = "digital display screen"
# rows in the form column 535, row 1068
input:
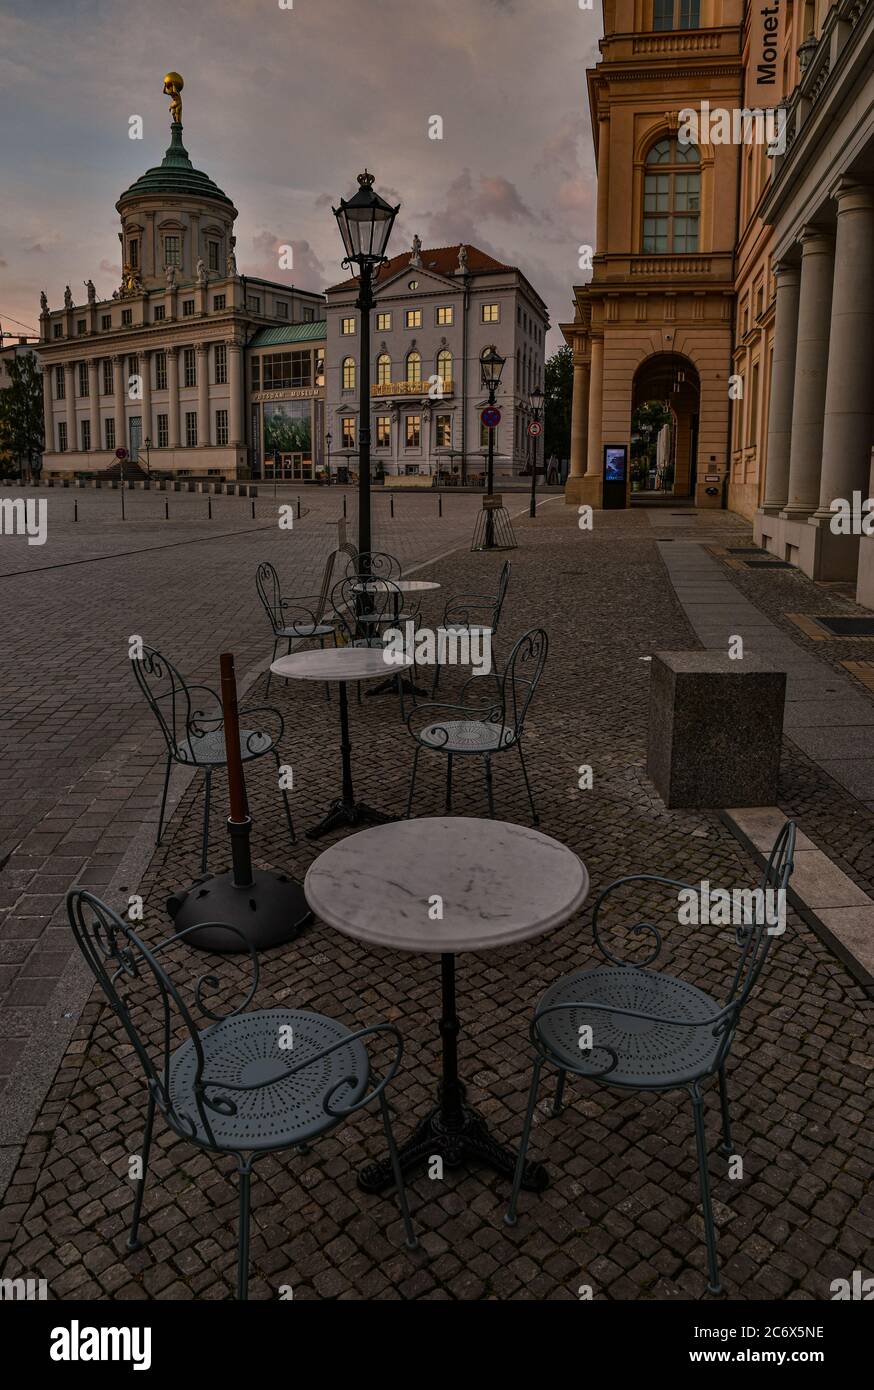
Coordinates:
column 615, row 463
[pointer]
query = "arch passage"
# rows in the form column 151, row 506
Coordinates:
column 665, row 404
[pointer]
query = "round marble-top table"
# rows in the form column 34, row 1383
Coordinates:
column 341, row 664
column 453, row 883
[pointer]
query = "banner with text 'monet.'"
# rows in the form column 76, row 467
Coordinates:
column 764, row 74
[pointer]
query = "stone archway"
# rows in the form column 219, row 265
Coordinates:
column 665, row 408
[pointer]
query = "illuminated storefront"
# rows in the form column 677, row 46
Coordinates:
column 286, row 375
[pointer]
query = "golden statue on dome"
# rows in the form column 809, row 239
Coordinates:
column 173, row 85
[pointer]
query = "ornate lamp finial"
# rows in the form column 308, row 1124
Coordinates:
column 365, row 179
column 173, row 85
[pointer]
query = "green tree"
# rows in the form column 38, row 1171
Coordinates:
column 646, row 422
column 558, row 389
column 21, row 414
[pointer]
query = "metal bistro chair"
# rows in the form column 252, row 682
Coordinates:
column 461, row 730
column 655, row 1032
column 364, row 607
column 290, row 618
column 248, row 1083
column 467, row 613
column 190, row 718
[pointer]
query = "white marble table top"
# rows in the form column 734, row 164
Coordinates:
column 406, row 586
column 339, row 664
column 499, row 883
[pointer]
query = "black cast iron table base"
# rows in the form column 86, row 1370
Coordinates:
column 342, row 813
column 453, row 1131
column 471, row 1142
column 391, row 683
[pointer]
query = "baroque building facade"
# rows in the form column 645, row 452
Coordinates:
column 159, row 369
column 436, row 312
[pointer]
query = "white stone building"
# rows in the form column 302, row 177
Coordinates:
column 436, row 311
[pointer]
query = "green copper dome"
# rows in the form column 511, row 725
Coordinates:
column 175, row 176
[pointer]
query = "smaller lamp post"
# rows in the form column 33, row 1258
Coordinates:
column 536, row 399
column 491, row 366
column 329, row 439
column 147, row 445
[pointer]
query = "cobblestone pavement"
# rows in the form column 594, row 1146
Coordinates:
column 621, row 1213
column 81, row 768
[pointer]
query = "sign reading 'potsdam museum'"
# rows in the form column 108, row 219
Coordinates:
column 764, row 74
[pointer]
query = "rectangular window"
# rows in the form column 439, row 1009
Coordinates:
column 133, row 253
column 80, row 326
column 253, row 303
column 191, row 428
column 754, row 406
column 106, row 322
column 347, row 327
column 383, row 431
column 109, row 433
column 413, row 318
column 189, row 367
column 221, row 364
column 107, row 376
column 320, row 366
column 256, row 373
column 57, row 330
column 213, row 255
column 83, row 378
column 172, row 250
column 188, row 308
column 160, row 313
column 163, row 431
column 218, row 302
column 383, row 323
column 484, row 437
column 281, row 309
column 309, row 316
column 221, row 427
column 444, row 431
column 348, row 431
column 62, row 436
column 160, row 371
column 491, row 313
column 86, row 435
column 127, row 318
column 414, row 431
column 445, row 313
column 284, row 370
column 60, row 387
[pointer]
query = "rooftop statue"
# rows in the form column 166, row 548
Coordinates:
column 173, row 85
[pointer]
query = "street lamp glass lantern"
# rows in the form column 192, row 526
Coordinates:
column 492, row 364
column 536, row 398
column 365, row 223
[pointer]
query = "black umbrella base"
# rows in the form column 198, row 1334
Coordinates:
column 268, row 913
column 348, row 813
column 471, row 1142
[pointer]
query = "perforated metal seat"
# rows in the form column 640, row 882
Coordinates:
column 209, row 748
column 466, row 736
column 649, row 1054
column 305, row 630
column 245, row 1050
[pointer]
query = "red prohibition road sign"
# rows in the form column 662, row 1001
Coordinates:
column 491, row 417
column 535, row 428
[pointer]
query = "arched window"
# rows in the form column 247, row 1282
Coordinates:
column 348, row 373
column 671, row 198
column 383, row 369
column 444, row 367
column 676, row 14
column 414, row 367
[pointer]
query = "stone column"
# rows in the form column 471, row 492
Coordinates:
column 782, row 385
column 118, row 373
column 846, row 438
column 146, row 374
column 603, row 181
column 48, row 386
column 70, row 384
column 596, row 387
column 173, row 397
column 811, row 358
column 235, row 383
column 204, row 434
column 94, row 402
column 148, row 251
column 574, row 487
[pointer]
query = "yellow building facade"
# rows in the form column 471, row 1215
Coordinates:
column 655, row 321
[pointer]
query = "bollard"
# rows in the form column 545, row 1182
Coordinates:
column 344, row 504
column 209, row 508
column 253, row 508
column 298, row 506
column 440, row 504
column 75, row 509
column 166, row 508
column 391, row 503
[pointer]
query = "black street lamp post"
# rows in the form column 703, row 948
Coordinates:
column 329, row 438
column 536, row 399
column 365, row 223
column 147, row 445
column 491, row 366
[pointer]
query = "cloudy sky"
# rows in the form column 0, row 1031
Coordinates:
column 282, row 108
